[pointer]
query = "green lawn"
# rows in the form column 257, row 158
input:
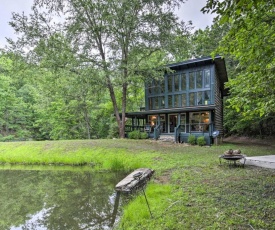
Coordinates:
column 190, row 189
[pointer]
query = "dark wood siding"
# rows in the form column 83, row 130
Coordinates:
column 218, row 120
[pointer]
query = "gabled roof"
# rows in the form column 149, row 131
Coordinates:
column 218, row 61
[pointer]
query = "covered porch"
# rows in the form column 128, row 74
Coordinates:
column 179, row 122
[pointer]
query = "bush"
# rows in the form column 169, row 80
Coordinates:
column 201, row 141
column 143, row 135
column 7, row 138
column 136, row 134
column 192, row 140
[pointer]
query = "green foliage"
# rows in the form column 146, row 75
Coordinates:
column 249, row 40
column 143, row 135
column 137, row 210
column 201, row 141
column 136, row 134
column 117, row 165
column 191, row 139
column 123, row 52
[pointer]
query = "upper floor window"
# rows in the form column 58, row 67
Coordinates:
column 170, row 83
column 157, row 102
column 207, row 78
column 183, row 81
column 177, row 82
column 199, row 79
column 192, row 80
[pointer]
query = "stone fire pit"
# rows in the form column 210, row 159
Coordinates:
column 233, row 156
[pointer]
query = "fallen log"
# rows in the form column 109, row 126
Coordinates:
column 134, row 180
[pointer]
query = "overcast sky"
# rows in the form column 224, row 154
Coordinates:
column 189, row 11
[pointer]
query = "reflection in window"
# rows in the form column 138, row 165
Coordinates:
column 199, row 98
column 156, row 103
column 152, row 121
column 191, row 99
column 199, row 80
column 183, row 100
column 177, row 101
column 162, row 86
column 183, row 81
column 199, row 122
column 162, row 102
column 183, row 122
column 170, row 84
column 192, row 80
column 150, row 102
column 149, row 85
column 176, row 82
column 207, row 97
column 207, row 78
column 170, row 101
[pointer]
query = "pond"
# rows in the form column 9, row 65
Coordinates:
column 58, row 199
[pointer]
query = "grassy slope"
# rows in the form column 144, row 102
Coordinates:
column 190, row 190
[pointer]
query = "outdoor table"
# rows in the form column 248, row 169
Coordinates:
column 233, row 158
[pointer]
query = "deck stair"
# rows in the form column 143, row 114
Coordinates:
column 167, row 138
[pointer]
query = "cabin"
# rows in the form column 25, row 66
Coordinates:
column 188, row 100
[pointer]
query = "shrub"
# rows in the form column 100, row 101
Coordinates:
column 201, row 141
column 134, row 135
column 143, row 135
column 192, row 140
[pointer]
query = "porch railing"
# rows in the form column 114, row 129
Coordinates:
column 130, row 128
column 177, row 132
column 157, row 132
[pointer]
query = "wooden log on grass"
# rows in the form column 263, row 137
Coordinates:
column 137, row 178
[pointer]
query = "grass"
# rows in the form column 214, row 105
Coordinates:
column 190, row 189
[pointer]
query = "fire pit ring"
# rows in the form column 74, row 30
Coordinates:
column 233, row 158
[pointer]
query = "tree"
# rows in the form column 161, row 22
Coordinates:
column 250, row 40
column 116, row 38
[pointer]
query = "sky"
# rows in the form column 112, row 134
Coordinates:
column 189, row 11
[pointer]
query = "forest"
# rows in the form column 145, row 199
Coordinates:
column 77, row 64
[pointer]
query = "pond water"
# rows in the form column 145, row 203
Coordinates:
column 58, row 199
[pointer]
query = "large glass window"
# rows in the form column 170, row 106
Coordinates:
column 150, row 103
column 199, row 98
column 183, row 81
column 177, row 82
column 170, row 101
column 207, row 78
column 170, row 83
column 156, row 103
column 192, row 80
column 149, row 85
column 183, row 100
column 207, row 97
column 177, row 101
column 152, row 121
column 199, row 121
column 192, row 98
column 162, row 102
column 183, row 122
column 199, row 80
column 162, row 86
column 163, row 123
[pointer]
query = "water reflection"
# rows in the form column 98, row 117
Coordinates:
column 58, row 200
